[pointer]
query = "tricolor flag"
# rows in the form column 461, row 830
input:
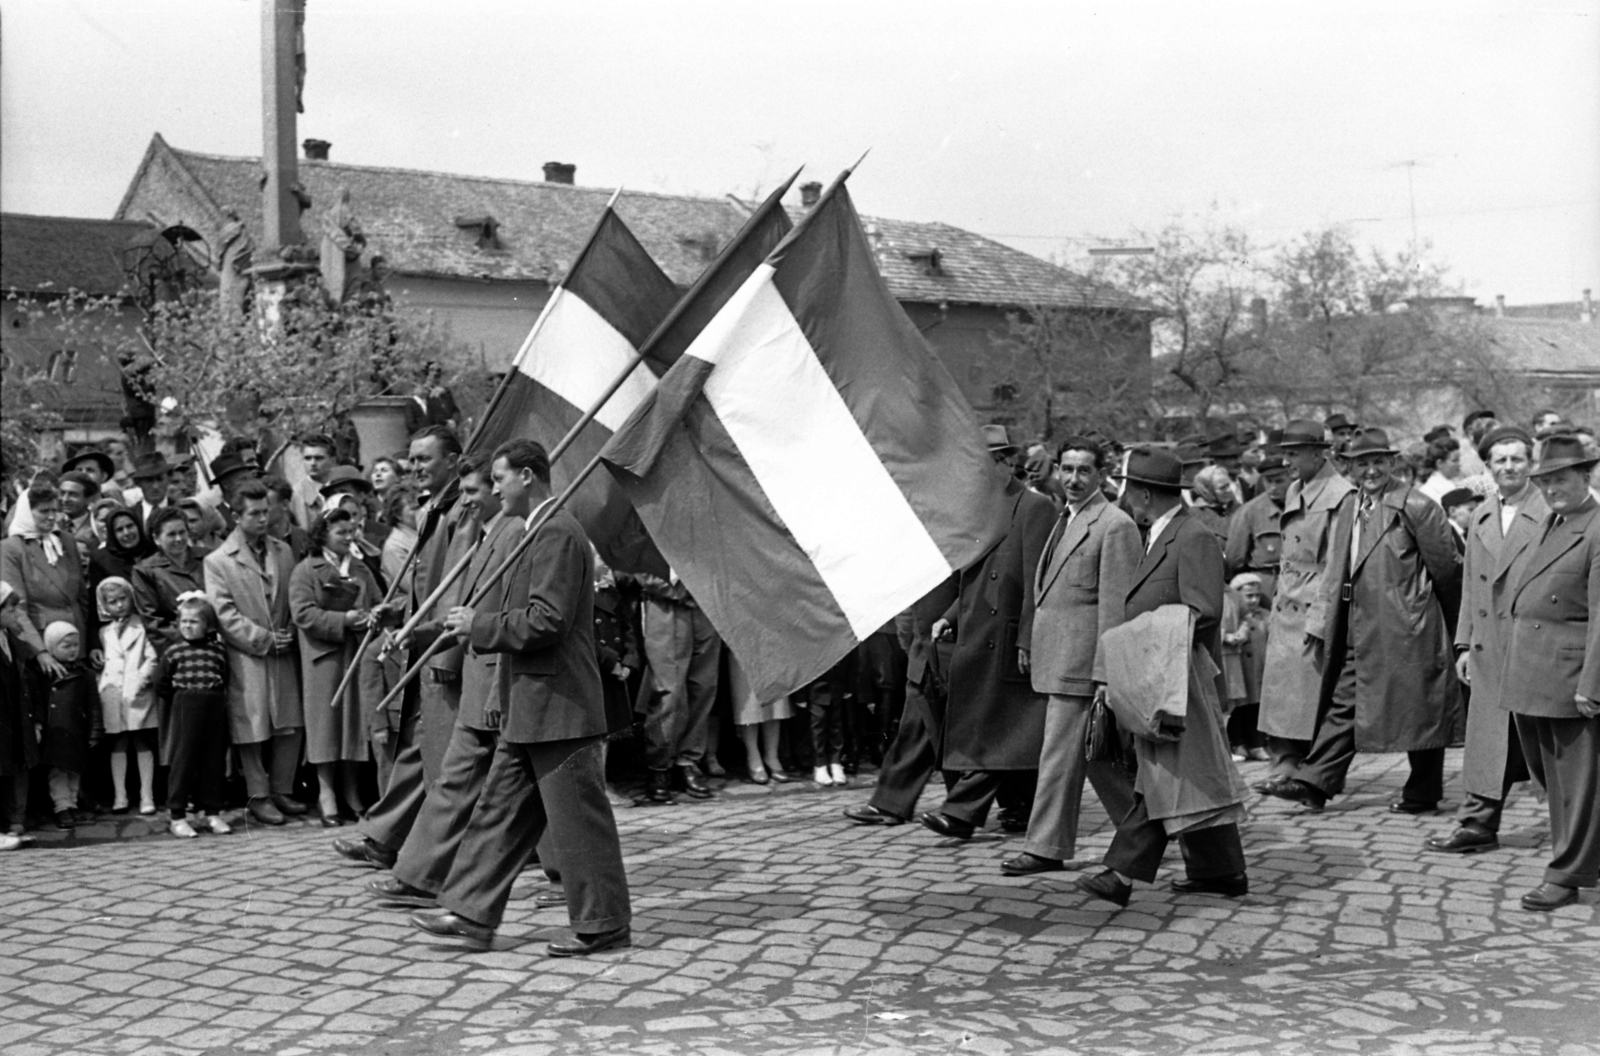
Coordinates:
column 613, row 304
column 808, row 467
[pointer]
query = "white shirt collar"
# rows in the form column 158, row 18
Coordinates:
column 1159, row 525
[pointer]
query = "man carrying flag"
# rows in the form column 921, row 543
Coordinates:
column 808, row 467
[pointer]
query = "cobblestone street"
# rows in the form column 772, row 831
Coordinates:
column 765, row 923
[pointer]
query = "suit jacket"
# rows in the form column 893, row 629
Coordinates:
column 1183, row 567
column 1079, row 591
column 480, row 672
column 1555, row 620
column 541, row 616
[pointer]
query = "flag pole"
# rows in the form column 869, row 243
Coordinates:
column 638, row 357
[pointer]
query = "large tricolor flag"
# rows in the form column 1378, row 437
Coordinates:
column 808, row 466
column 615, row 304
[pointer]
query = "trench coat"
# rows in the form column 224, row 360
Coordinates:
column 1291, row 679
column 252, row 600
column 318, row 600
column 1555, row 621
column 48, row 592
column 1407, row 696
column 993, row 718
column 1494, row 565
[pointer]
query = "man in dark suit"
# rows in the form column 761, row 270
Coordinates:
column 547, row 770
column 1182, row 566
column 1502, row 536
column 1554, row 663
column 1080, row 586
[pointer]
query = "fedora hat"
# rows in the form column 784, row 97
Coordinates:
column 1337, row 421
column 1224, row 445
column 230, row 462
column 1191, row 455
column 345, row 478
column 108, row 468
column 1153, row 465
column 1369, row 442
column 1499, row 435
column 1270, row 463
column 1303, row 432
column 998, row 438
column 1562, row 452
column 151, row 465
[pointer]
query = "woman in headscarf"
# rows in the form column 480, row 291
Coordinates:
column 1212, row 501
column 176, row 568
column 124, row 547
column 42, row 565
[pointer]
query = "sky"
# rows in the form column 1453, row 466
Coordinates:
column 1053, row 127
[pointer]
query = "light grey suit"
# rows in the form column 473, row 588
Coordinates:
column 1079, row 588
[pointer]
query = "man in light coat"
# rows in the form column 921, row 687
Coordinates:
column 1291, row 683
column 1080, row 587
column 1554, row 663
column 1389, row 684
column 1502, row 535
column 247, row 581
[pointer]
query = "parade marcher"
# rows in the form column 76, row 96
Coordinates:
column 1339, row 428
column 1255, row 532
column 1080, row 586
column 193, row 679
column 43, row 567
column 247, row 583
column 1182, row 565
column 417, row 732
column 1291, row 683
column 547, row 770
column 127, row 692
column 175, row 569
column 1503, row 535
column 21, row 714
column 1552, row 673
column 1460, row 504
column 333, row 598
column 993, row 726
column 1389, row 684
column 683, row 652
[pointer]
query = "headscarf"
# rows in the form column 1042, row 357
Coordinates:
column 128, row 554
column 1213, row 487
column 23, row 524
column 94, row 514
column 56, row 632
column 100, row 595
column 1244, row 579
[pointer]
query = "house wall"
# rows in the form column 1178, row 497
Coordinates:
column 487, row 320
column 90, row 393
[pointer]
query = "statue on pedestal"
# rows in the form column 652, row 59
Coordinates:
column 342, row 243
column 234, row 249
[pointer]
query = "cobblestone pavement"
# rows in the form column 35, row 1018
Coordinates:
column 765, row 923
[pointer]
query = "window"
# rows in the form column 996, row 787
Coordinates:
column 64, row 366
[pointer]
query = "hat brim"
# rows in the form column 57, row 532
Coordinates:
column 1556, row 465
column 1175, row 485
column 99, row 458
column 1303, row 443
column 1364, row 452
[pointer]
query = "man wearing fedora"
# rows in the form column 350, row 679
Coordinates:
column 1388, row 681
column 1291, row 681
column 1255, row 532
column 229, row 471
column 1182, row 565
column 151, row 472
column 1501, row 537
column 1340, row 428
column 1553, row 661
column 99, row 465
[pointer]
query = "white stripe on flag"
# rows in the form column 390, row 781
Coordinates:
column 823, row 478
column 577, row 355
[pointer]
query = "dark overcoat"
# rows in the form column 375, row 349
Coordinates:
column 1407, row 696
column 1555, row 620
column 157, row 582
column 1495, row 561
column 21, row 688
column 993, row 719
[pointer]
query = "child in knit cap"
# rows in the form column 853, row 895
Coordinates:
column 72, row 720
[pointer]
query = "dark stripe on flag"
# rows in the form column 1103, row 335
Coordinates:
column 617, row 278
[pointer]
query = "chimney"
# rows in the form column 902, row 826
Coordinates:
column 1588, row 308
column 810, row 193
column 1499, row 306
column 1258, row 316
column 316, row 149
column 559, row 172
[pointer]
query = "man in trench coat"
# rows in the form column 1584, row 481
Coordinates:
column 1554, row 663
column 993, row 725
column 1501, row 537
column 1389, row 683
column 1291, row 684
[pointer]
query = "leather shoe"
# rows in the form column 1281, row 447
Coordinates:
column 1106, row 885
column 1297, row 791
column 263, row 810
column 658, row 788
column 550, row 899
column 477, row 936
column 1234, row 886
column 867, row 814
column 945, row 825
column 1027, row 863
column 363, row 850
column 581, row 945
column 1411, row 806
column 1465, row 840
column 1011, row 821
column 693, row 783
column 289, row 805
column 65, row 820
column 1546, row 897
column 393, row 889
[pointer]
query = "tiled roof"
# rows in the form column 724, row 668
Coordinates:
column 1547, row 346
column 61, row 253
column 411, row 217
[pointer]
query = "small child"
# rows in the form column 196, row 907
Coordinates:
column 193, row 676
column 127, row 692
column 72, row 720
column 827, row 698
column 1249, row 633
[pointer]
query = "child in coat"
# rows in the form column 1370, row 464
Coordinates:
column 72, row 720
column 193, row 679
column 127, row 692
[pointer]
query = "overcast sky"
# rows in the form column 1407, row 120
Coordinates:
column 1050, row 126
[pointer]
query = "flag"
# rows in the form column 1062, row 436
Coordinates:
column 808, row 467
column 616, row 303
